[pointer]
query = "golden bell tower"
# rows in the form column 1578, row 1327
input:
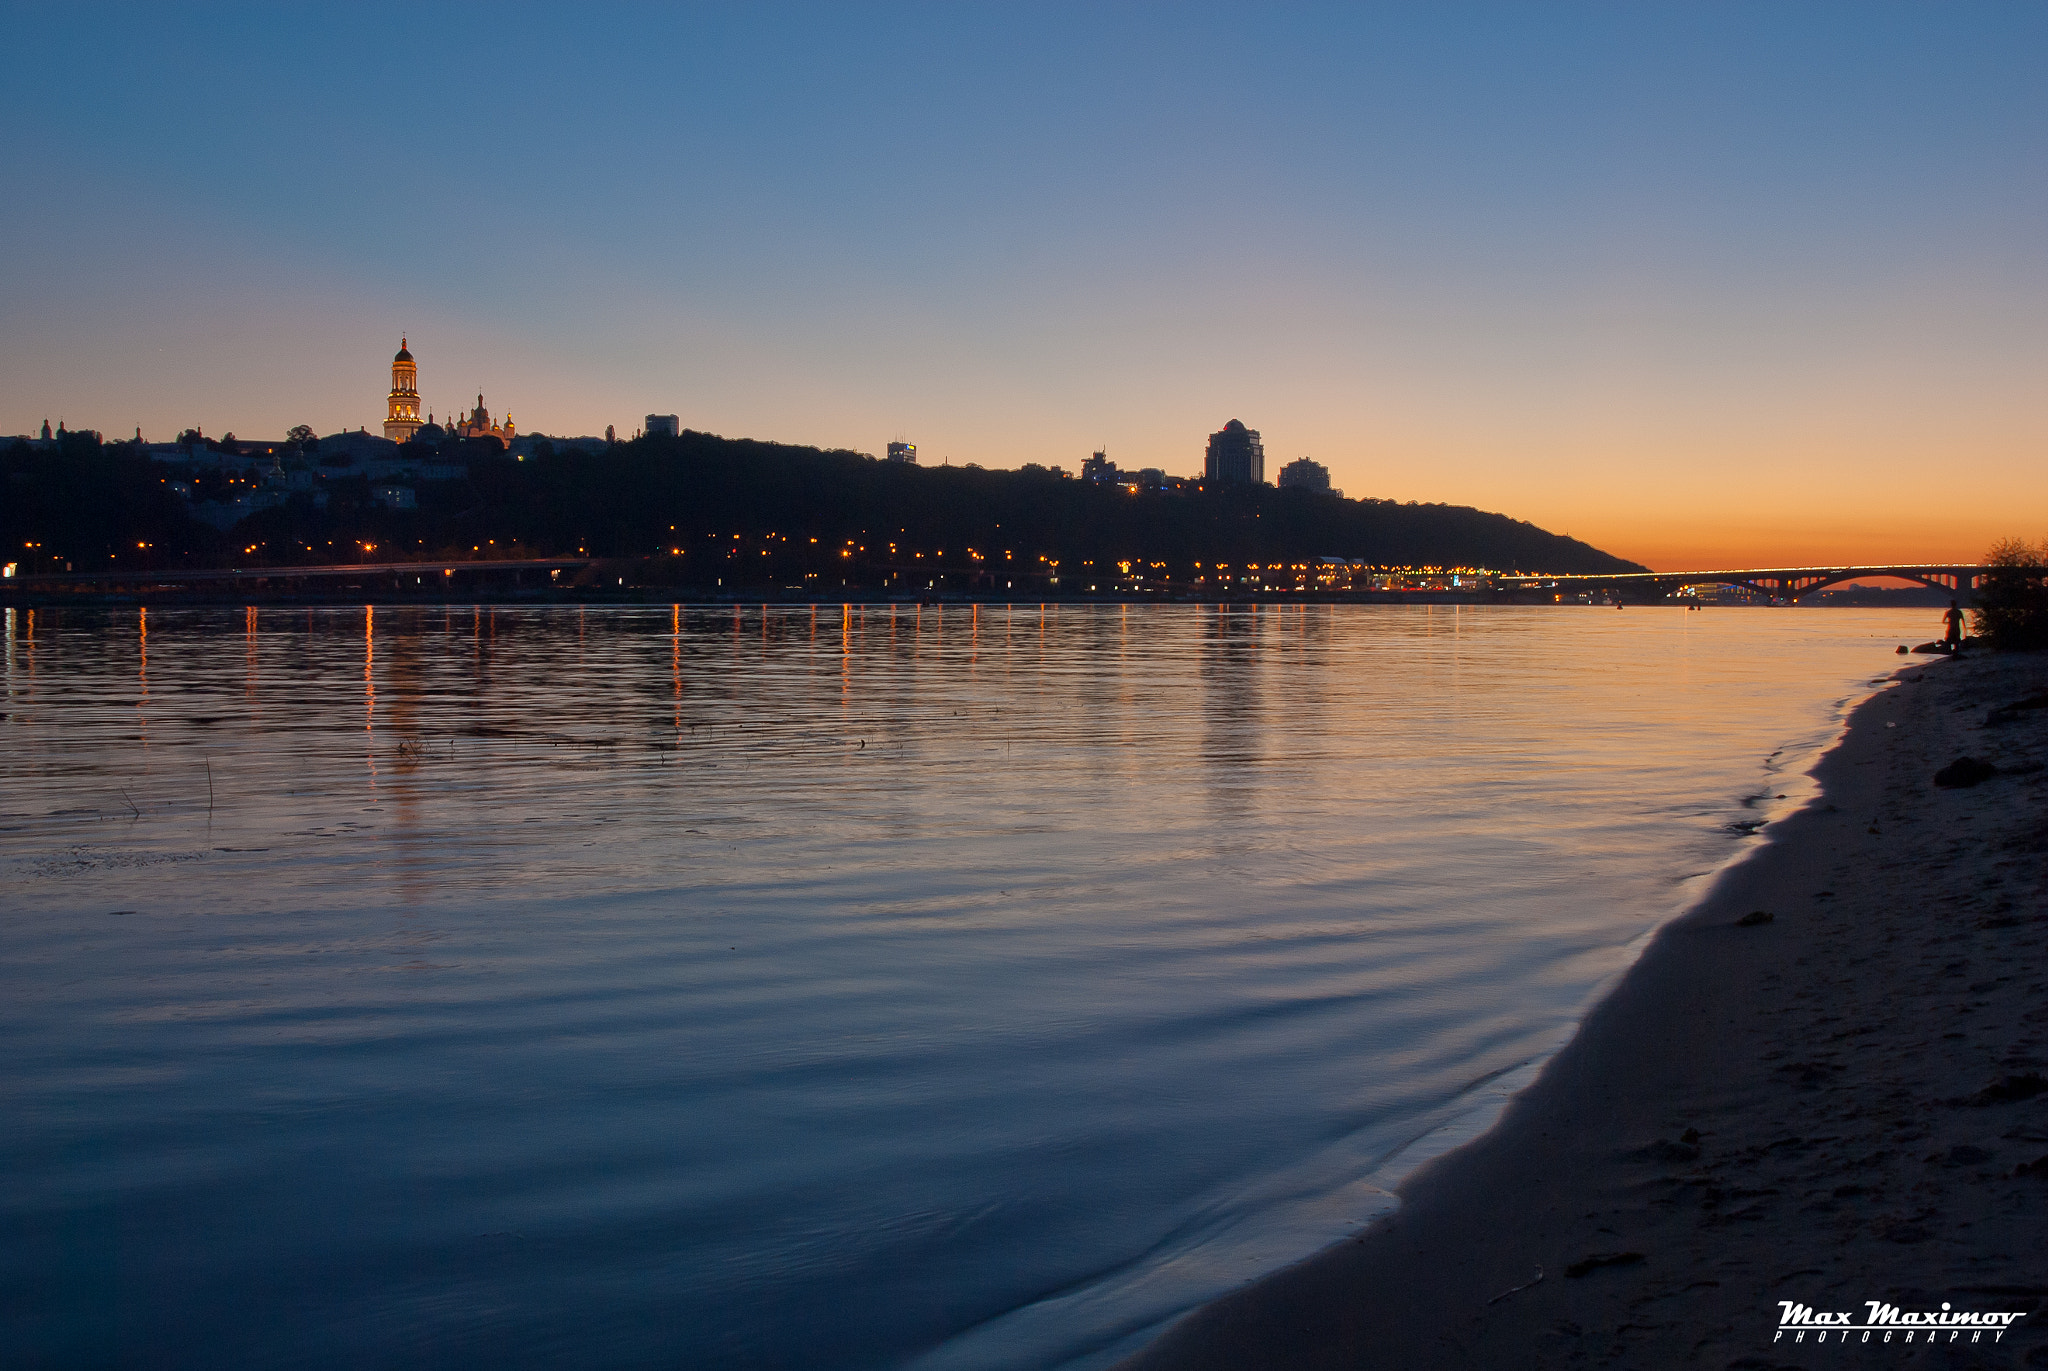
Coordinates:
column 402, row 417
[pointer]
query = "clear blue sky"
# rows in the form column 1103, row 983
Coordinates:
column 1713, row 281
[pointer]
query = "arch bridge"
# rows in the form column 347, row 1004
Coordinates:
column 1786, row 584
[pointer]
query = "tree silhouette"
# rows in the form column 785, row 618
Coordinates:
column 2011, row 613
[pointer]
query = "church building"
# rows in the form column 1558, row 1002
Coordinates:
column 402, row 407
column 479, row 425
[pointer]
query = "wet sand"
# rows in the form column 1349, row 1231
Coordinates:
column 1841, row 1104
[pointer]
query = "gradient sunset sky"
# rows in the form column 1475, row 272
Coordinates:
column 1705, row 285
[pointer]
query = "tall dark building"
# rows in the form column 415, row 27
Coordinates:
column 1236, row 457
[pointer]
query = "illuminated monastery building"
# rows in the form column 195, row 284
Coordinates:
column 402, row 408
column 479, row 425
column 402, row 414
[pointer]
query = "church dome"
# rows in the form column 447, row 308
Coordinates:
column 403, row 355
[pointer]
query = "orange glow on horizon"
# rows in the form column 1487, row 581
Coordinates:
column 1695, row 547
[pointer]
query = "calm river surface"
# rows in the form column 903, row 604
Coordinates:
column 740, row 988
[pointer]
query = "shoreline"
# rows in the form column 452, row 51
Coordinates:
column 1830, row 1107
column 14, row 597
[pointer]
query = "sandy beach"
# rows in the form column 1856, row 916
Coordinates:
column 1841, row 1103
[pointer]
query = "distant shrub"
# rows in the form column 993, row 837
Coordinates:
column 2011, row 613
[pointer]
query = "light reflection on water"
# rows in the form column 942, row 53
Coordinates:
column 835, row 987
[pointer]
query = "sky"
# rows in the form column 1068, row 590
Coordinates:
column 1708, row 285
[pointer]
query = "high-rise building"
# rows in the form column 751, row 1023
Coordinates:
column 402, row 412
column 1306, row 474
column 1236, row 457
column 1100, row 469
column 664, row 426
column 903, row 452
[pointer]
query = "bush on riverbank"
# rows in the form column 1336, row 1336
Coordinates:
column 2011, row 613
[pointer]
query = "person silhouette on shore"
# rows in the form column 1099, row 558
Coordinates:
column 1952, row 627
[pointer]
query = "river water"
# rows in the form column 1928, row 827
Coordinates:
column 957, row 987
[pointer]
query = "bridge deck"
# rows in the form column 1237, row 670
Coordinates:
column 1779, row 582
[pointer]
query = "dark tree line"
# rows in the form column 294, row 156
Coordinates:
column 96, row 506
column 653, row 496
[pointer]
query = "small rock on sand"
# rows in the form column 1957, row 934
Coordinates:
column 1964, row 772
column 2009, row 1090
column 1599, row 1259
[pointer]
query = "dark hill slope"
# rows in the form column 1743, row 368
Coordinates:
column 624, row 500
column 111, row 507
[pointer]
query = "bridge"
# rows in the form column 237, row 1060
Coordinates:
column 1785, row 584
